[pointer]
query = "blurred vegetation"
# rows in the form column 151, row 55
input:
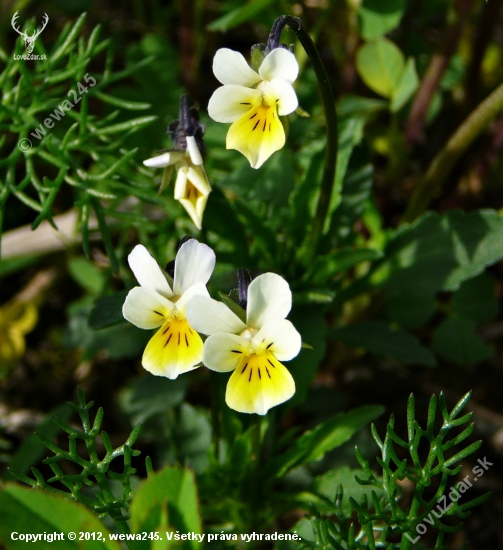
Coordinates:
column 402, row 293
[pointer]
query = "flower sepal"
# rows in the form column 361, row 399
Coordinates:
column 257, row 56
column 233, row 305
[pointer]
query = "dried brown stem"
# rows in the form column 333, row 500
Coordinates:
column 436, row 69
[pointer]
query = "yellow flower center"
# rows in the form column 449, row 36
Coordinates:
column 192, row 193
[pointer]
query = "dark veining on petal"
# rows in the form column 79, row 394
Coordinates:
column 267, row 370
column 178, row 338
column 263, row 127
column 256, row 124
column 168, row 327
column 269, row 345
column 253, row 116
column 167, row 341
column 236, row 351
column 158, row 313
column 245, row 103
column 259, row 374
column 244, row 368
column 186, row 341
column 249, row 377
column 271, row 363
column 190, row 330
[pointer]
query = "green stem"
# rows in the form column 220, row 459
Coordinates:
column 443, row 163
column 327, row 183
column 255, row 489
column 215, row 412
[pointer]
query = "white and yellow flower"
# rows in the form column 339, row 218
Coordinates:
column 254, row 101
column 254, row 349
column 192, row 186
column 176, row 347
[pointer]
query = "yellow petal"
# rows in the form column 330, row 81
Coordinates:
column 174, row 349
column 257, row 134
column 22, row 316
column 12, row 346
column 259, row 383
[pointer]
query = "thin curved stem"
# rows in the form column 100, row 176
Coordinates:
column 443, row 163
column 311, row 241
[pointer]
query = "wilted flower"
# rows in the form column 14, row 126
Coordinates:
column 252, row 349
column 192, row 186
column 17, row 318
column 254, row 101
column 176, row 347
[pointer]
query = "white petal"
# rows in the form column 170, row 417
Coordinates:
column 194, row 264
column 279, row 91
column 208, row 316
column 193, row 151
column 280, row 63
column 181, row 182
column 146, row 308
column 166, row 159
column 269, row 298
column 228, row 103
column 280, row 338
column 195, row 211
column 222, row 352
column 199, row 289
column 147, row 271
column 230, row 67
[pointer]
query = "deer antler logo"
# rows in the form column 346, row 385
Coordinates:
column 29, row 40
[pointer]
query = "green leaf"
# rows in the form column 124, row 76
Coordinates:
column 273, row 183
column 328, row 435
column 134, row 124
column 303, row 199
column 35, row 511
column 85, row 273
column 120, row 341
column 408, row 84
column 456, row 340
column 439, row 252
column 238, row 16
column 190, row 438
column 380, row 339
column 233, row 306
column 172, row 490
column 355, row 193
column 150, row 395
column 353, row 105
column 350, row 133
column 222, row 219
column 476, row 299
column 378, row 18
column 328, row 266
column 32, row 449
column 107, row 310
column 380, row 64
column 411, row 309
column 310, row 321
column 327, row 485
column 122, row 103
